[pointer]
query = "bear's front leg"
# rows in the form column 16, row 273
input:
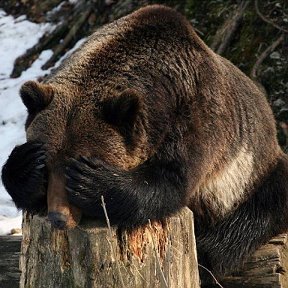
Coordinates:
column 24, row 176
column 150, row 191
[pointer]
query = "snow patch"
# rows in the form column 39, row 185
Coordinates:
column 16, row 36
column 6, row 224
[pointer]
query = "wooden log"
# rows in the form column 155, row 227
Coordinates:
column 9, row 261
column 158, row 255
column 60, row 48
column 266, row 268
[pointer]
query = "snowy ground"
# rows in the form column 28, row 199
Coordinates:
column 16, row 36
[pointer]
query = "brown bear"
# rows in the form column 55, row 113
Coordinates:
column 147, row 116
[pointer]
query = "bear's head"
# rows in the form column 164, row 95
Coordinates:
column 112, row 98
column 73, row 123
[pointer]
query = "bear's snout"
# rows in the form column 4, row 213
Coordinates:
column 58, row 220
column 61, row 214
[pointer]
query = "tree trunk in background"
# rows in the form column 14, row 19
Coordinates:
column 158, row 255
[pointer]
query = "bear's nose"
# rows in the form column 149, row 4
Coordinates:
column 58, row 220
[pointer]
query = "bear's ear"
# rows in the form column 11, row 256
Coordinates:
column 36, row 96
column 122, row 111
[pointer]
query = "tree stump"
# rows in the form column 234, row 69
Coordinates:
column 91, row 255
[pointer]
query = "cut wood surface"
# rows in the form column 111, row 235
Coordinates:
column 158, row 255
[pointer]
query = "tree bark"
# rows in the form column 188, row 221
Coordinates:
column 158, row 255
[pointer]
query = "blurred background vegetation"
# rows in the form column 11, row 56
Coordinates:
column 252, row 34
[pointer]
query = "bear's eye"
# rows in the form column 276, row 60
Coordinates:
column 36, row 96
column 122, row 111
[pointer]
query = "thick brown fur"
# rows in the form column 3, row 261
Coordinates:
column 164, row 122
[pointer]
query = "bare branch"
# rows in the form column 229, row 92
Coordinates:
column 264, row 54
column 267, row 20
column 111, row 236
column 214, row 278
